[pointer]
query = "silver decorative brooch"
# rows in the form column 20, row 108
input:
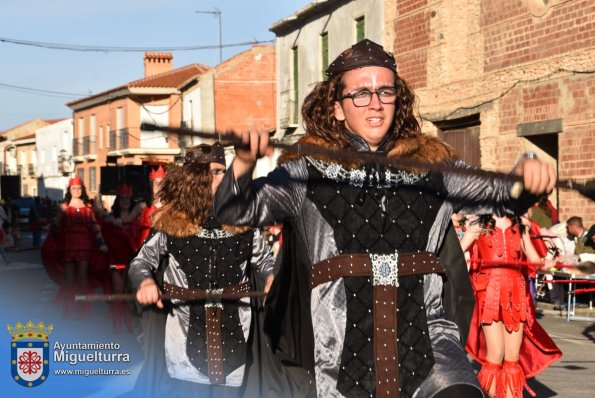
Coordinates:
column 385, row 269
column 214, row 302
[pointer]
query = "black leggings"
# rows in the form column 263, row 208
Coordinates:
column 460, row 391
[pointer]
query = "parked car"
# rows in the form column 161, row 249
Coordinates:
column 24, row 204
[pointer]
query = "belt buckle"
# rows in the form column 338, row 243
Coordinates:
column 214, row 302
column 385, row 269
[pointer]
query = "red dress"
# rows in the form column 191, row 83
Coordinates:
column 77, row 234
column 145, row 223
column 502, row 294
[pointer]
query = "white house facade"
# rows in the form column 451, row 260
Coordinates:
column 54, row 158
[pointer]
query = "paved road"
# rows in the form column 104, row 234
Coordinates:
column 574, row 374
column 27, row 293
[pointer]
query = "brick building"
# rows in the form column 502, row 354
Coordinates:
column 238, row 94
column 108, row 123
column 494, row 79
column 497, row 78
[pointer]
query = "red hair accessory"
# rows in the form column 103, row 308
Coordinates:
column 155, row 174
column 124, row 190
column 75, row 181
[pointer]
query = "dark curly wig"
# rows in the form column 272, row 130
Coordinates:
column 319, row 119
column 487, row 222
column 188, row 190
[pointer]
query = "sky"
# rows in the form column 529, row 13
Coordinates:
column 113, row 23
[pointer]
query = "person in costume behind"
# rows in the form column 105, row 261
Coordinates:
column 145, row 222
column 205, row 343
column 361, row 226
column 505, row 337
column 78, row 236
column 120, row 231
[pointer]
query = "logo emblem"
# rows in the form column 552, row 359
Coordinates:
column 29, row 353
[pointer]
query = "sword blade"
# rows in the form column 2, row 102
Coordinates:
column 587, row 189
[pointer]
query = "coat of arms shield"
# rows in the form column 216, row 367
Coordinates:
column 30, row 353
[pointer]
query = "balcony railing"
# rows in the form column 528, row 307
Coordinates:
column 76, row 150
column 112, row 140
column 89, row 145
column 124, row 138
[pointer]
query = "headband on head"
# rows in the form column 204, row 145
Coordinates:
column 155, row 174
column 364, row 53
column 124, row 190
column 205, row 154
column 75, row 181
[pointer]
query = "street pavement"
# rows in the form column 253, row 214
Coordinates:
column 27, row 293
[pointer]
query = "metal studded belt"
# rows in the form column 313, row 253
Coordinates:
column 385, row 270
column 213, row 309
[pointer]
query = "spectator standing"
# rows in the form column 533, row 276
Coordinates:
column 576, row 230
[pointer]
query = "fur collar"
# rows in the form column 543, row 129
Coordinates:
column 421, row 148
column 177, row 224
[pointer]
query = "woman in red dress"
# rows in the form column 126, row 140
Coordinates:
column 121, row 230
column 505, row 336
column 78, row 237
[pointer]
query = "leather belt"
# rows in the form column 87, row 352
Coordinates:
column 213, row 322
column 384, row 270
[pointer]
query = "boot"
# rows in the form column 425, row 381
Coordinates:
column 488, row 376
column 513, row 379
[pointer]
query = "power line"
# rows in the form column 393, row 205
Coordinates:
column 50, row 93
column 81, row 47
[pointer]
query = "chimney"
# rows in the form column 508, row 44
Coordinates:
column 156, row 63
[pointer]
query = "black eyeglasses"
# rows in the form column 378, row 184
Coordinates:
column 386, row 95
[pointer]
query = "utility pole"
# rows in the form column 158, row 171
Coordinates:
column 217, row 13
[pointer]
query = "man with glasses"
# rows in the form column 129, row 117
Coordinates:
column 372, row 240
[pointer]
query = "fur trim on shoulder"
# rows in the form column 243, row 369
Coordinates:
column 173, row 222
column 288, row 156
column 422, row 148
column 177, row 224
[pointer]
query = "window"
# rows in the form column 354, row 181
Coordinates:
column 294, row 53
column 324, row 53
column 81, row 127
column 92, row 133
column 81, row 174
column 120, row 118
column 360, row 29
column 93, row 179
column 156, row 114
